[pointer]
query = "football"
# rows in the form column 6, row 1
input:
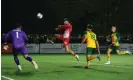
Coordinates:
column 39, row 15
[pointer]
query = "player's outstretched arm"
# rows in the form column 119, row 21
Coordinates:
column 25, row 37
column 5, row 40
column 118, row 36
column 84, row 39
column 97, row 44
column 6, row 37
column 60, row 27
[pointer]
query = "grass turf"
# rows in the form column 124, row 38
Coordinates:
column 65, row 67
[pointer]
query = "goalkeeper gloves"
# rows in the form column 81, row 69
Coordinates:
column 5, row 47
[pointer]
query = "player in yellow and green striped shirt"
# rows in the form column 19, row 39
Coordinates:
column 115, row 38
column 92, row 45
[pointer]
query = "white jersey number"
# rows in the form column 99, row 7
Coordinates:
column 66, row 35
column 17, row 35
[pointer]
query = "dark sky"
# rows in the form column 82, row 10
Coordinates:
column 101, row 13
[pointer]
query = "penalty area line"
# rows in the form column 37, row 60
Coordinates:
column 8, row 78
column 109, row 65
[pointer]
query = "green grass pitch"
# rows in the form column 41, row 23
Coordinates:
column 65, row 67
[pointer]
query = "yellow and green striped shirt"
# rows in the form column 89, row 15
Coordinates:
column 91, row 39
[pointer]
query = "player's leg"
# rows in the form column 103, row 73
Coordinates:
column 31, row 60
column 88, row 57
column 25, row 55
column 122, row 52
column 117, row 50
column 59, row 36
column 69, row 50
column 72, row 52
column 125, row 52
column 96, row 55
column 108, row 55
column 66, row 45
column 16, row 60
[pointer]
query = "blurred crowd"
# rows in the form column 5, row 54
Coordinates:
column 47, row 38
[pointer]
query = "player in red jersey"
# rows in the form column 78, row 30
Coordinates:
column 67, row 27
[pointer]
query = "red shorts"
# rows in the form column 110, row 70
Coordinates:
column 65, row 40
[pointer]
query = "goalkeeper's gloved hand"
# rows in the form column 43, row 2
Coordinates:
column 5, row 47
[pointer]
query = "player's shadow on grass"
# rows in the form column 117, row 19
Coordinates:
column 7, row 71
column 7, row 68
column 105, row 71
column 30, row 73
column 81, row 67
column 58, row 71
column 78, row 67
column 99, row 70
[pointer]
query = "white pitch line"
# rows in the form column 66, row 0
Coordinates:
column 91, row 63
column 8, row 78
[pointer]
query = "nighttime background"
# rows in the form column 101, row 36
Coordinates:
column 101, row 13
